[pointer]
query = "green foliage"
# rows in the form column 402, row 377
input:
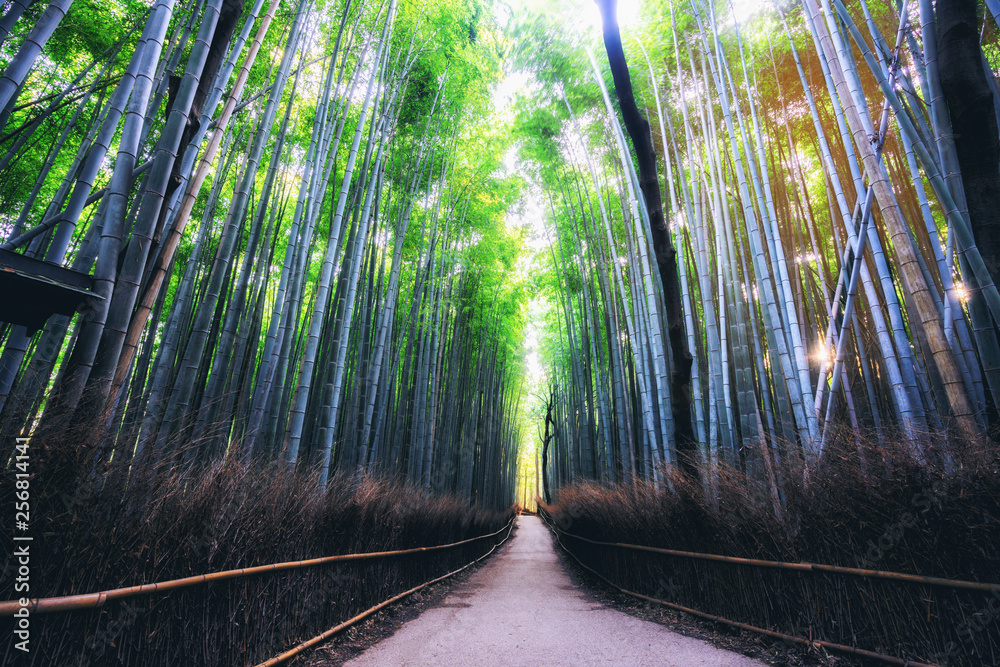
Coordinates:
column 92, row 27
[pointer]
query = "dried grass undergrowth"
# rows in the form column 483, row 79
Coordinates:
column 94, row 533
column 865, row 506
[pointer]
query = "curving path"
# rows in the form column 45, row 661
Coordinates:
column 521, row 608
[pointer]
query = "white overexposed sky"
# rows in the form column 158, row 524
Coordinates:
column 628, row 13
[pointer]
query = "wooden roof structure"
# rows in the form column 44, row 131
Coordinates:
column 31, row 290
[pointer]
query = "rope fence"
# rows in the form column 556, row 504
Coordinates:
column 956, row 584
column 320, row 638
column 801, row 567
column 95, row 600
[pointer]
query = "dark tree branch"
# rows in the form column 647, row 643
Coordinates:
column 545, row 444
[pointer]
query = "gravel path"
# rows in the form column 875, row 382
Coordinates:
column 521, row 608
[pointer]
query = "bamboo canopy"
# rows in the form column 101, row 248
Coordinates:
column 318, row 239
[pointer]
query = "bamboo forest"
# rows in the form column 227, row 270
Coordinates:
column 687, row 308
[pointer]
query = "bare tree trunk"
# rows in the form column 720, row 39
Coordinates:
column 666, row 256
column 973, row 119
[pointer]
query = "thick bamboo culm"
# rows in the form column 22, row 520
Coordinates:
column 93, row 600
column 801, row 567
column 320, row 638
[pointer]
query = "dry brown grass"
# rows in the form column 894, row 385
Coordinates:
column 98, row 532
column 866, row 506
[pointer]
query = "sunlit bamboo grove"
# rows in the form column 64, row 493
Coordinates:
column 294, row 216
column 283, row 279
column 301, row 220
column 829, row 270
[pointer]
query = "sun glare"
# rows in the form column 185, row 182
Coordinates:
column 628, row 13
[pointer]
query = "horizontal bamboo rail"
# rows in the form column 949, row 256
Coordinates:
column 94, row 600
column 802, row 567
column 320, row 638
column 815, row 643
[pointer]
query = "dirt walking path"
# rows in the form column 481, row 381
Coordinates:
column 521, row 608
